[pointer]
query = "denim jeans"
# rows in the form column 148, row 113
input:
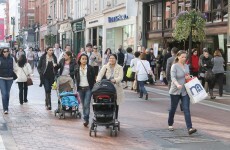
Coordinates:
column 5, row 86
column 48, row 84
column 23, row 88
column 85, row 96
column 186, row 108
column 142, row 87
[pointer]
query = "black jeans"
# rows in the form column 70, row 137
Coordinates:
column 23, row 89
column 219, row 78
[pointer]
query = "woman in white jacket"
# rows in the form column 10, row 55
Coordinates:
column 24, row 70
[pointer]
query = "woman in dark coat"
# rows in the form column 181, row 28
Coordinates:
column 85, row 79
column 7, row 69
column 46, row 69
column 206, row 65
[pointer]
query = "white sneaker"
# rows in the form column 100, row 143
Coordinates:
column 5, row 112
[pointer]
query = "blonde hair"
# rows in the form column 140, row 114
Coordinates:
column 217, row 53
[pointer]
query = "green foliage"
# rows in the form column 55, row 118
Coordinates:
column 50, row 40
column 186, row 21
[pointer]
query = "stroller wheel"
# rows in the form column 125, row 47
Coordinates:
column 111, row 131
column 115, row 131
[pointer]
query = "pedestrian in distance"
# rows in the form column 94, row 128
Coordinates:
column 23, row 72
column 85, row 79
column 113, row 72
column 128, row 57
column 120, row 56
column 207, row 66
column 47, row 72
column 79, row 54
column 179, row 73
column 57, row 50
column 20, row 52
column 30, row 58
column 218, row 70
column 194, row 64
column 133, row 65
column 143, row 70
column 7, row 69
column 107, row 53
column 95, row 60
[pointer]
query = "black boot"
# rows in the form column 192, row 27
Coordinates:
column 46, row 101
column 211, row 94
column 49, row 101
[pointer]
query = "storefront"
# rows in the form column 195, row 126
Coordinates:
column 78, row 35
column 94, row 30
column 65, row 34
column 43, row 32
column 120, row 29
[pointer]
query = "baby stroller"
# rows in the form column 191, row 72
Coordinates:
column 104, row 107
column 68, row 101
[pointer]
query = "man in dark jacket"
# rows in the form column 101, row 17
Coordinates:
column 120, row 56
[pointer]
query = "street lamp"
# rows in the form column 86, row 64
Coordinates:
column 49, row 20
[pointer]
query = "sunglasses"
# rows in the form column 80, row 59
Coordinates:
column 5, row 51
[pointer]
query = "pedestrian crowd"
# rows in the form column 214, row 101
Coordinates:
column 86, row 68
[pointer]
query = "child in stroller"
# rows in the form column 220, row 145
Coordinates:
column 68, row 100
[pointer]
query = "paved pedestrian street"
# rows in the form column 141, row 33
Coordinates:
column 143, row 125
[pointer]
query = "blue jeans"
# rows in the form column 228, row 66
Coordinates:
column 48, row 84
column 186, row 108
column 85, row 96
column 142, row 87
column 5, row 86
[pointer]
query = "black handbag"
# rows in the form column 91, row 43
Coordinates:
column 150, row 78
column 209, row 75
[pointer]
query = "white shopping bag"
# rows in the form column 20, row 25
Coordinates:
column 195, row 90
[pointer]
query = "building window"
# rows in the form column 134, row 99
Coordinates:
column 30, row 20
column 215, row 10
column 155, row 16
column 31, row 4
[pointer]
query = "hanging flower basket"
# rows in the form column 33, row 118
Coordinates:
column 187, row 21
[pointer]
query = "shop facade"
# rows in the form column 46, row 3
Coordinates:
column 119, row 29
column 65, row 34
column 78, row 27
column 94, row 30
column 43, row 33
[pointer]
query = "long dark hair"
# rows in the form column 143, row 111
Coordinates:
column 3, row 50
column 22, row 60
column 178, row 55
column 107, row 51
column 79, row 60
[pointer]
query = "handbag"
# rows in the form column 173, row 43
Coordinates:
column 195, row 90
column 129, row 73
column 135, row 84
column 29, row 80
column 209, row 75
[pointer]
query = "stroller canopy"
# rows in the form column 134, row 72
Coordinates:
column 104, row 86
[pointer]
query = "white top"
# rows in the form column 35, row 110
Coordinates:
column 83, row 77
column 133, row 64
column 65, row 71
column 142, row 75
column 60, row 56
column 22, row 77
column 57, row 52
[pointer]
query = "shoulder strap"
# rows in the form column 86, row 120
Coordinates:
column 144, row 67
column 24, row 71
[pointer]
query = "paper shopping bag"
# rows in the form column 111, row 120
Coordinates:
column 195, row 91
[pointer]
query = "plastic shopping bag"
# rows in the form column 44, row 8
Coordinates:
column 195, row 90
column 54, row 86
column 129, row 73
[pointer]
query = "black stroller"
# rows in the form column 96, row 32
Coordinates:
column 104, row 107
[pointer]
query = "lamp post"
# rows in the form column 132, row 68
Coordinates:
column 49, row 20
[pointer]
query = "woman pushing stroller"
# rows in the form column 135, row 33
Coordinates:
column 114, row 73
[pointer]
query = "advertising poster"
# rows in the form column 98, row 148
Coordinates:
column 155, row 49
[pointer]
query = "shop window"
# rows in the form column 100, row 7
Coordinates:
column 215, row 10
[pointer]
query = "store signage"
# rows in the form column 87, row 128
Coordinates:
column 95, row 21
column 117, row 18
column 78, row 26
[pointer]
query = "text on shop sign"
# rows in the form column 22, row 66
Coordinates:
column 117, row 18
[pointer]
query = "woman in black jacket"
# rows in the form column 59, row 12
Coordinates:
column 85, row 79
column 7, row 69
column 46, row 69
column 206, row 65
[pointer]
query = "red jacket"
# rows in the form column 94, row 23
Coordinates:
column 194, row 63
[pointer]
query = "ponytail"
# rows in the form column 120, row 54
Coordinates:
column 178, row 54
